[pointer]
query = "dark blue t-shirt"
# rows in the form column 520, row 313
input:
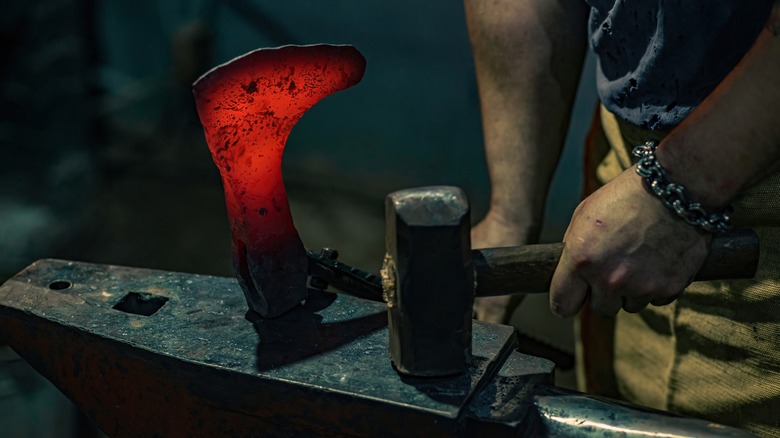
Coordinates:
column 658, row 59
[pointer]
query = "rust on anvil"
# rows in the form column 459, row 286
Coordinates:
column 248, row 107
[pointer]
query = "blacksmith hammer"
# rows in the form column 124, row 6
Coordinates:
column 430, row 276
column 428, row 279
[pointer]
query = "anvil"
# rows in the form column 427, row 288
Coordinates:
column 153, row 353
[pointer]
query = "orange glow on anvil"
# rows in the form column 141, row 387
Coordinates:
column 248, row 107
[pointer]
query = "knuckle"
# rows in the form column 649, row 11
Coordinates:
column 614, row 283
column 617, row 278
column 669, row 287
column 648, row 287
column 667, row 292
column 580, row 258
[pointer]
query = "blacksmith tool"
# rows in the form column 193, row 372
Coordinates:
column 431, row 276
column 154, row 353
column 248, row 107
column 428, row 281
column 528, row 269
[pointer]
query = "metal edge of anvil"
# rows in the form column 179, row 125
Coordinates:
column 34, row 299
column 521, row 400
column 505, row 406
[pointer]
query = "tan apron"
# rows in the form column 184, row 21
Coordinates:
column 715, row 352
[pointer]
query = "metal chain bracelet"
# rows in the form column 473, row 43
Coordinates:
column 674, row 196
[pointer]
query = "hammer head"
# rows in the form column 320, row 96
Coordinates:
column 429, row 265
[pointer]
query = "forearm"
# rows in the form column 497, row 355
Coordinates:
column 528, row 57
column 732, row 140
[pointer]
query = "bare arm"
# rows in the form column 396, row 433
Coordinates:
column 732, row 140
column 528, row 56
column 629, row 250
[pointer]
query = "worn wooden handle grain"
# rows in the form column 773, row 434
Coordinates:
column 529, row 269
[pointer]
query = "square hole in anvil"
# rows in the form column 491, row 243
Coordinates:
column 141, row 303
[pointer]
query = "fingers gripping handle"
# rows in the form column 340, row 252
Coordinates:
column 529, row 269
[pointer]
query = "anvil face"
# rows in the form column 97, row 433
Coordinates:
column 149, row 352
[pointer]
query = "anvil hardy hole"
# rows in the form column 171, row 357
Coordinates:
column 141, row 303
column 60, row 285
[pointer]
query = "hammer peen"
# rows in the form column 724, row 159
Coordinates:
column 431, row 276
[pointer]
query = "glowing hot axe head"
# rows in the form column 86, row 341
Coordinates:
column 248, row 107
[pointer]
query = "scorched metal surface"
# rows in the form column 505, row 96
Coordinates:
column 248, row 107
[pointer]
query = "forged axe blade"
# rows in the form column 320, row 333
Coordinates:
column 248, row 107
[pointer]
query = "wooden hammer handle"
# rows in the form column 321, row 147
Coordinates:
column 529, row 269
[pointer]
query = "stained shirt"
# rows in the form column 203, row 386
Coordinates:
column 657, row 60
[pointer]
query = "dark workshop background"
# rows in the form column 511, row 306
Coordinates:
column 104, row 159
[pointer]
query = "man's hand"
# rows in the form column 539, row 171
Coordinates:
column 625, row 249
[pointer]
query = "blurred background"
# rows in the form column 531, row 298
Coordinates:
column 104, row 159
